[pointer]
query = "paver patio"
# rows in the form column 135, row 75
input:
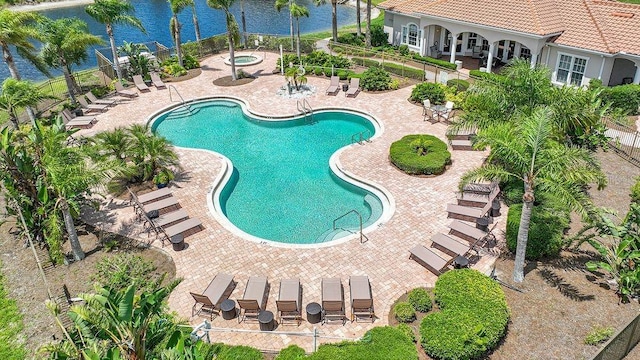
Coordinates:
column 420, row 208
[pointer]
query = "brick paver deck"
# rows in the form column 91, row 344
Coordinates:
column 420, row 208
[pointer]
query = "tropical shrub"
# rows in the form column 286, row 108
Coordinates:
column 598, row 335
column 121, row 270
column 626, row 98
column 512, row 192
column 378, row 36
column 374, row 79
column 546, row 230
column 351, row 39
column 291, row 352
column 404, row 312
column 174, row 70
column 385, row 342
column 472, row 320
column 458, row 84
column 403, row 50
column 407, row 330
column 635, row 191
column 343, row 74
column 406, row 155
column 420, row 299
column 492, row 77
column 189, row 62
column 435, row 92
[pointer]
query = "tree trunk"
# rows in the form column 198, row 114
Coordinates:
column 298, row 40
column 368, row 35
column 523, row 232
column 232, row 58
column 114, row 52
column 244, row 24
column 78, row 253
column 291, row 24
column 70, row 83
column 176, row 39
column 196, row 26
column 14, row 120
column 8, row 59
column 358, row 28
column 334, row 19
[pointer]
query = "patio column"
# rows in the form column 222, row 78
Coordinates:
column 636, row 79
column 534, row 60
column 490, row 57
column 452, row 46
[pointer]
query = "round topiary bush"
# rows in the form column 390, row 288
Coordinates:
column 546, row 229
column 420, row 299
column 420, row 155
column 291, row 352
column 404, row 312
column 432, row 91
column 406, row 329
column 473, row 317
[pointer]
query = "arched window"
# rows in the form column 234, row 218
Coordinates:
column 411, row 35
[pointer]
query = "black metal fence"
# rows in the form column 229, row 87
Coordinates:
column 621, row 344
column 624, row 140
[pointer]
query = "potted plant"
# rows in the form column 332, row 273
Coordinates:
column 163, row 177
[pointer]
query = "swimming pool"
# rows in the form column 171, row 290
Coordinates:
column 285, row 184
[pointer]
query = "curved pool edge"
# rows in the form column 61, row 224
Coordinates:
column 223, row 177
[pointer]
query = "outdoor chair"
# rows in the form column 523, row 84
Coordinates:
column 161, row 206
column 120, row 90
column 170, row 218
column 354, row 88
column 361, row 300
column 434, row 52
column 157, row 81
column 427, row 111
column 448, row 113
column 137, row 79
column 182, row 228
column 95, row 100
column 429, row 259
column 334, row 86
column 452, row 245
column 79, row 122
column 91, row 107
column 467, row 232
column 254, row 299
column 219, row 289
column 290, row 300
column 476, row 52
column 150, row 196
column 332, row 300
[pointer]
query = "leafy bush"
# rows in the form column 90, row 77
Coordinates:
column 598, row 335
column 407, row 330
column 426, row 90
column 625, row 98
column 403, row 311
column 119, row 271
column 408, row 160
column 375, row 78
column 385, row 342
column 487, row 76
column 351, row 39
column 189, row 62
column 11, row 347
column 174, row 70
column 403, row 50
column 291, row 352
column 343, row 74
column 546, row 230
column 473, row 317
column 635, row 191
column 378, row 36
column 432, row 61
column 512, row 192
column 458, row 84
column 420, row 299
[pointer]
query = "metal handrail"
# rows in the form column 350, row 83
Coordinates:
column 347, row 213
column 181, row 98
column 361, row 137
column 305, row 108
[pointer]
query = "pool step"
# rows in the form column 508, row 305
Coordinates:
column 182, row 112
column 332, row 234
column 375, row 206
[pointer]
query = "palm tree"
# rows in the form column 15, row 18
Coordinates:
column 298, row 11
column 245, row 39
column 174, row 25
column 367, row 37
column 150, row 152
column 358, row 28
column 334, row 16
column 281, row 4
column 196, row 26
column 65, row 43
column 232, row 29
column 527, row 151
column 16, row 95
column 109, row 13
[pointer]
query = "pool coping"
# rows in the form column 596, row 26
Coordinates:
column 258, row 60
column 222, row 178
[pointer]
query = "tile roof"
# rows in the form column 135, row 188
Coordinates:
column 599, row 25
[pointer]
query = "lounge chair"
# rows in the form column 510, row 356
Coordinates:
column 467, row 213
column 162, row 206
column 95, row 100
column 467, row 232
column 290, row 300
column 182, row 229
column 152, row 196
column 354, row 88
column 332, row 300
column 429, row 259
column 452, row 245
column 157, row 81
column 170, row 218
column 80, row 122
column 120, row 90
column 219, row 289
column 137, row 79
column 254, row 299
column 91, row 107
column 334, row 87
column 361, row 300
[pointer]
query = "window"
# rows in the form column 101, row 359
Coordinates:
column 472, row 40
column 525, row 53
column 485, row 45
column 570, row 69
column 411, row 35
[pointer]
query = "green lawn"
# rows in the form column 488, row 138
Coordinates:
column 630, row 1
column 11, row 346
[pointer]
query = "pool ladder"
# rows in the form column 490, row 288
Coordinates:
column 182, row 102
column 354, row 211
column 305, row 108
column 361, row 137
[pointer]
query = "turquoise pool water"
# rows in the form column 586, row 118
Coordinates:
column 282, row 188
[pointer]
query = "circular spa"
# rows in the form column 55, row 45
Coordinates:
column 282, row 183
column 244, row 59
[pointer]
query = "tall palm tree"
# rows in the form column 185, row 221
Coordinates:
column 65, row 43
column 334, row 16
column 298, row 11
column 245, row 39
column 196, row 26
column 281, row 4
column 174, row 25
column 109, row 13
column 16, row 95
column 232, row 29
column 358, row 28
column 367, row 37
column 526, row 150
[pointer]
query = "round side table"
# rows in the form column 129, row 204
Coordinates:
column 177, row 241
column 314, row 313
column 228, row 309
column 267, row 323
column 460, row 262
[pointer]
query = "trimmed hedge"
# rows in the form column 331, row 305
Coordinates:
column 487, row 76
column 408, row 160
column 404, row 71
column 291, row 352
column 365, row 62
column 623, row 97
column 473, row 317
column 458, row 84
column 404, row 312
column 546, row 230
column 420, row 299
column 433, row 61
column 385, row 342
column 435, row 92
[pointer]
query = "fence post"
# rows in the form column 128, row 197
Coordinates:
column 315, row 339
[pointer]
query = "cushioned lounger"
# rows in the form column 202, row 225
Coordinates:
column 137, row 79
column 289, row 300
column 169, row 219
column 361, row 300
column 429, row 259
column 120, row 90
column 334, row 87
column 154, row 195
column 332, row 300
column 219, row 289
column 450, row 245
column 253, row 300
column 466, row 231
